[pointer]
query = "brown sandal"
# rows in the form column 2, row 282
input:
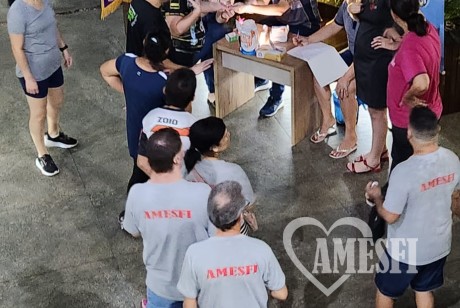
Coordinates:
column 376, row 168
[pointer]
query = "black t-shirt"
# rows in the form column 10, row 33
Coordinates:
column 142, row 19
column 193, row 39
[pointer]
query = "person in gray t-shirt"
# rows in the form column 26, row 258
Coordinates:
column 170, row 215
column 346, row 85
column 209, row 137
column 230, row 270
column 417, row 207
column 37, row 45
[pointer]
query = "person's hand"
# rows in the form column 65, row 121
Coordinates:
column 355, row 7
column 31, row 85
column 391, row 33
column 227, row 14
column 386, row 43
column 239, row 8
column 68, row 61
column 413, row 101
column 202, row 66
column 373, row 192
column 196, row 4
column 342, row 87
column 300, row 40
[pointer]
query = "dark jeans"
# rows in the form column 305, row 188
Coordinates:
column 138, row 176
column 277, row 89
column 401, row 149
column 214, row 32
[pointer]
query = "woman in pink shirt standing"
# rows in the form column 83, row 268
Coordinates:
column 413, row 74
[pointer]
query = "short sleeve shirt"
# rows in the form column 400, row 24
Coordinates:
column 169, row 217
column 351, row 27
column 143, row 18
column 420, row 190
column 40, row 37
column 143, row 92
column 216, row 171
column 228, row 272
column 164, row 117
column 193, row 39
column 416, row 55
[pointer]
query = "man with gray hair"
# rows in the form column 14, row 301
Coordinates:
column 230, row 269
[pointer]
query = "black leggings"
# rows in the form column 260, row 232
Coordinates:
column 401, row 149
column 138, row 176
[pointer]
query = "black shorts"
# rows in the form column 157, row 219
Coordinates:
column 427, row 277
column 54, row 81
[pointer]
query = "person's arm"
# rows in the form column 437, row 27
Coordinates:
column 419, row 86
column 143, row 164
column 375, row 194
column 277, row 9
column 17, row 46
column 322, row 34
column 68, row 61
column 181, row 24
column 280, row 294
column 211, row 6
column 190, row 303
column 111, row 75
column 456, row 202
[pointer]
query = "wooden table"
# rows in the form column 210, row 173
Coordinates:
column 234, row 84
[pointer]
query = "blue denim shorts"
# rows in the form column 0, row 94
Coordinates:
column 155, row 301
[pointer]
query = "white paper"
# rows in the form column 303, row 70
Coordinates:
column 324, row 61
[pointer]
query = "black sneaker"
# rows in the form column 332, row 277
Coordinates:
column 61, row 141
column 271, row 107
column 46, row 165
column 121, row 217
column 261, row 84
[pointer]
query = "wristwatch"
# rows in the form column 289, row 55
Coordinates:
column 63, row 48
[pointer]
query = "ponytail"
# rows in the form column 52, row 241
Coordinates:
column 155, row 46
column 192, row 156
column 416, row 23
column 408, row 11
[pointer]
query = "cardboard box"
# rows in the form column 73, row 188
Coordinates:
column 271, row 54
column 231, row 37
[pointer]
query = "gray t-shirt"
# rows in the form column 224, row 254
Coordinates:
column 215, row 171
column 420, row 189
column 351, row 26
column 229, row 272
column 40, row 37
column 170, row 217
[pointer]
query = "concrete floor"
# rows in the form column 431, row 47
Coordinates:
column 60, row 241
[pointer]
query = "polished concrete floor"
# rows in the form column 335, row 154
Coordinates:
column 60, row 241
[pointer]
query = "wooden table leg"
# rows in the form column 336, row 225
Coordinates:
column 233, row 89
column 305, row 111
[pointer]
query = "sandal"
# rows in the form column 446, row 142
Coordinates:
column 317, row 137
column 383, row 157
column 376, row 168
column 341, row 153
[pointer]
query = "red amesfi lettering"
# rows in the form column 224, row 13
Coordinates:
column 185, row 214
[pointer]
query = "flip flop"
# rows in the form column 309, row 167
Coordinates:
column 341, row 153
column 376, row 168
column 317, row 137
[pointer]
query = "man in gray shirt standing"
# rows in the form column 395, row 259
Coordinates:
column 170, row 215
column 417, row 208
column 230, row 269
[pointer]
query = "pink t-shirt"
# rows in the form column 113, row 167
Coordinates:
column 416, row 55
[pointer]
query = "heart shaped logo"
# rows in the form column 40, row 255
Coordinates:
column 308, row 221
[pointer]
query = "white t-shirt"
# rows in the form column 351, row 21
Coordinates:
column 229, row 272
column 215, row 171
column 420, row 190
column 169, row 217
column 164, row 117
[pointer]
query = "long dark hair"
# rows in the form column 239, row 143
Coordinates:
column 408, row 11
column 204, row 134
column 155, row 46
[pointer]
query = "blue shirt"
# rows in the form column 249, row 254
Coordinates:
column 351, row 27
column 143, row 92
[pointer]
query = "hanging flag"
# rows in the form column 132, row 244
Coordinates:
column 434, row 13
column 110, row 6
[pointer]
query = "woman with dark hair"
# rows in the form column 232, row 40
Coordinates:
column 413, row 74
column 209, row 137
column 38, row 49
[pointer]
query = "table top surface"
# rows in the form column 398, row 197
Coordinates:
column 287, row 62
